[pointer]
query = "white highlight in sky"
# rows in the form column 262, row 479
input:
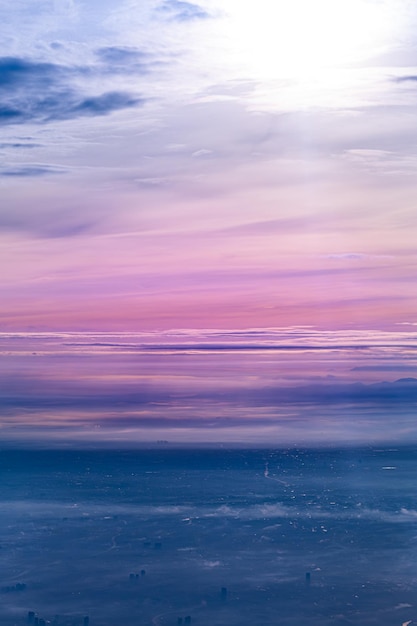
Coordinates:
column 298, row 39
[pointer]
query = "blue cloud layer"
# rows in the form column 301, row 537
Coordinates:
column 31, row 393
column 40, row 92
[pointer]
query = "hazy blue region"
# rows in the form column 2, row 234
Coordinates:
column 151, row 536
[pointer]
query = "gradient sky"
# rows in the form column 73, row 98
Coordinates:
column 211, row 164
column 208, row 220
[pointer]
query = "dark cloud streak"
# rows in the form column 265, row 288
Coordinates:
column 25, row 171
column 10, row 144
column 236, row 347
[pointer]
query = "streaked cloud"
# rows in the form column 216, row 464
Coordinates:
column 103, row 387
column 22, row 145
column 34, row 169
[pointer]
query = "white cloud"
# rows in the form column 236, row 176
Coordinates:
column 201, row 153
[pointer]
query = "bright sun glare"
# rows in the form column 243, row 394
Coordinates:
column 299, row 39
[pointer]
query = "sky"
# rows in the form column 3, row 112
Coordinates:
column 220, row 164
column 195, row 170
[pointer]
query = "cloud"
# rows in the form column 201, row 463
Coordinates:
column 297, row 337
column 120, row 55
column 204, row 347
column 32, row 170
column 16, row 72
column 122, row 397
column 404, row 79
column 10, row 144
column 56, row 222
column 78, row 227
column 64, row 105
column 102, row 105
column 182, row 11
column 125, row 60
column 155, row 181
column 38, row 394
column 202, row 153
column 402, row 391
column 42, row 92
column 350, row 256
column 388, row 367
